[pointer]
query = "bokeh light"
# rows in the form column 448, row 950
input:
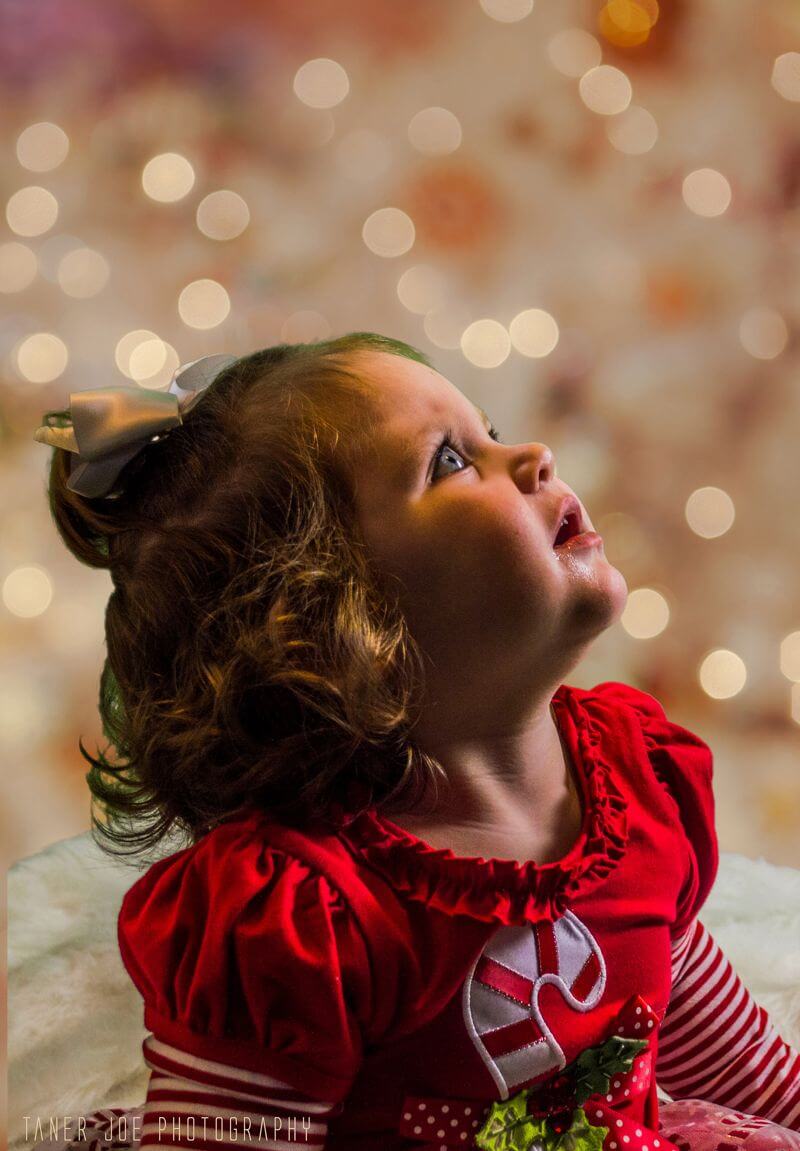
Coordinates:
column 634, row 131
column 388, row 232
column 31, row 211
column 83, row 273
column 27, row 591
column 445, row 326
column 126, row 349
column 574, row 51
column 534, row 332
column 147, row 359
column 627, row 23
column 763, row 333
column 605, row 90
column 18, row 267
column 168, row 177
column 710, row 512
column 42, row 357
column 486, row 343
column 222, row 215
column 422, row 288
column 321, row 83
column 204, row 304
column 786, row 76
column 706, row 192
column 436, row 131
column 790, row 656
column 722, row 674
column 646, row 613
column 42, row 146
column 507, row 11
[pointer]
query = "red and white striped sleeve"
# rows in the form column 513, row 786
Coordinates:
column 717, row 1044
column 201, row 1104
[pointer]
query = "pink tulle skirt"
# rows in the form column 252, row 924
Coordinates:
column 691, row 1124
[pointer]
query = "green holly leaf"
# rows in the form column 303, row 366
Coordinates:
column 508, row 1127
column 580, row 1136
column 595, row 1066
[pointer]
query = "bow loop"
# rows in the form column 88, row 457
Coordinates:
column 107, row 427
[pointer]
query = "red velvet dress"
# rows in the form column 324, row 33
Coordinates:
column 404, row 988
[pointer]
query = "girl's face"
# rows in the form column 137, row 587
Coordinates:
column 463, row 526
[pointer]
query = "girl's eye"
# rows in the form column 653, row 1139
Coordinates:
column 446, row 451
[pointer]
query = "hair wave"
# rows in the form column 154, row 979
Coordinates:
column 253, row 655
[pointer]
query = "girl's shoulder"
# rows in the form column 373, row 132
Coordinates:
column 248, row 942
column 249, row 861
column 682, row 765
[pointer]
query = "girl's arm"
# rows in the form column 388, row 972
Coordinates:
column 717, row 1044
column 237, row 1105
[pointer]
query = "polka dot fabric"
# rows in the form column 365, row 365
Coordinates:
column 695, row 1125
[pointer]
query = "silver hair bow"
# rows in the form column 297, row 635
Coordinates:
column 107, row 427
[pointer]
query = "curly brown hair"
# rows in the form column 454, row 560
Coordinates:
column 253, row 655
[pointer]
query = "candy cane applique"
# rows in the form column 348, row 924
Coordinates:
column 500, row 998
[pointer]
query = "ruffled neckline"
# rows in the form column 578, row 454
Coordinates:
column 507, row 890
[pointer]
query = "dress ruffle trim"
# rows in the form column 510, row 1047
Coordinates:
column 506, row 890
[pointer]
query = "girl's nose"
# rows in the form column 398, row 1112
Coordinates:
column 535, row 465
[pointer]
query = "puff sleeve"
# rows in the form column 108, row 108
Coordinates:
column 683, row 764
column 246, row 956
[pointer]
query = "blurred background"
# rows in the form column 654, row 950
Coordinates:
column 586, row 213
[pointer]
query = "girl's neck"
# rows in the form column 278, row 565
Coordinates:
column 512, row 795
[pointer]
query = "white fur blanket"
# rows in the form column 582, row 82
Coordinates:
column 75, row 1024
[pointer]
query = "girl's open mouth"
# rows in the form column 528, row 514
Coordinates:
column 570, row 535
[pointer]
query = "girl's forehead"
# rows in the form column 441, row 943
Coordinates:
column 400, row 391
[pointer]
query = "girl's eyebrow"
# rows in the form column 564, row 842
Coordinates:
column 414, row 450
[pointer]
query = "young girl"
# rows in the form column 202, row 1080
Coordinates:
column 431, row 896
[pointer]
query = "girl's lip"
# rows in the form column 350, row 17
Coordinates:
column 582, row 540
